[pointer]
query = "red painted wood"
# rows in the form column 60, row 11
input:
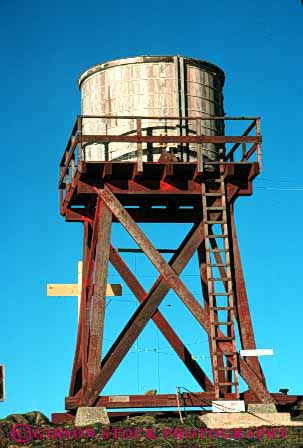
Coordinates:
column 161, row 323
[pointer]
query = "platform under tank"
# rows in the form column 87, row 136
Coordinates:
column 151, row 86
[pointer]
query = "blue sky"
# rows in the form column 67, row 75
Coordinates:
column 44, row 48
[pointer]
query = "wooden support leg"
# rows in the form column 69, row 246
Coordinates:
column 243, row 312
column 79, row 366
column 100, row 283
column 152, row 301
column 143, row 314
column 169, row 278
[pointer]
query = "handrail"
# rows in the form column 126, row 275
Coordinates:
column 76, row 138
column 236, row 146
column 73, row 133
column 155, row 117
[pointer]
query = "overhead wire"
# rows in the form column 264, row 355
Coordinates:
column 277, row 187
column 280, row 189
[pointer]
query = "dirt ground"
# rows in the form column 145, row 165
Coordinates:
column 35, row 430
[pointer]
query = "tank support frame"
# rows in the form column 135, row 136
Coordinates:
column 99, row 193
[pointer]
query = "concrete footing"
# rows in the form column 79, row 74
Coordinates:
column 261, row 408
column 90, row 415
column 231, row 420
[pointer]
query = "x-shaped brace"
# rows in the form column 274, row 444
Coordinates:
column 168, row 279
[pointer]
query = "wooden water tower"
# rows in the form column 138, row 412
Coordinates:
column 152, row 133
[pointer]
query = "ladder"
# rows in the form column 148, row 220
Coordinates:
column 220, row 287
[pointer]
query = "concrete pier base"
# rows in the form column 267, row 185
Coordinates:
column 231, row 420
column 90, row 415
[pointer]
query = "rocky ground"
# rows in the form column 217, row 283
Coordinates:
column 157, row 430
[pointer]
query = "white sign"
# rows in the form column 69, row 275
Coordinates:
column 119, row 398
column 228, row 406
column 257, row 352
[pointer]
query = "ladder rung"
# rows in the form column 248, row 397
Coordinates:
column 214, row 194
column 223, row 338
column 229, row 383
column 227, row 368
column 217, row 250
column 215, row 222
column 222, row 323
column 216, row 236
column 221, row 308
column 216, row 208
column 218, row 279
column 229, row 293
column 225, row 353
column 216, row 265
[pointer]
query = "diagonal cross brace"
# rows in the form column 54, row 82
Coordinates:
column 153, row 300
column 167, row 272
column 161, row 322
column 142, row 315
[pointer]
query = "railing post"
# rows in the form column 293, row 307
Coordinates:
column 67, row 184
column 221, row 159
column 199, row 148
column 139, row 146
column 61, row 170
column 66, row 170
column 62, row 197
column 79, row 133
column 73, row 167
column 259, row 152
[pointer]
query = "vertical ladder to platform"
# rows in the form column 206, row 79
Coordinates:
column 220, row 287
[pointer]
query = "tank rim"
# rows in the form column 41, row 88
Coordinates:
column 148, row 58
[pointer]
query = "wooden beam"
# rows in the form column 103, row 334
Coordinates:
column 77, row 383
column 142, row 315
column 167, row 139
column 100, row 288
column 168, row 276
column 62, row 289
column 158, row 318
column 245, row 326
column 72, row 290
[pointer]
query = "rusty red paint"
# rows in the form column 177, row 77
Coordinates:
column 161, row 322
column 171, row 184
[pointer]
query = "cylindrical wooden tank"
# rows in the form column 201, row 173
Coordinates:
column 166, row 86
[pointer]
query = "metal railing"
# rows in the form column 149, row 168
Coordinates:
column 243, row 148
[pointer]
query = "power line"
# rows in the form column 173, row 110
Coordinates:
column 277, row 179
column 281, row 189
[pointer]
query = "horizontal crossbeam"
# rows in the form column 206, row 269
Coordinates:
column 200, row 399
column 167, row 139
column 72, row 290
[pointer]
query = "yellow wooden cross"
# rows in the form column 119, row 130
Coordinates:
column 74, row 289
